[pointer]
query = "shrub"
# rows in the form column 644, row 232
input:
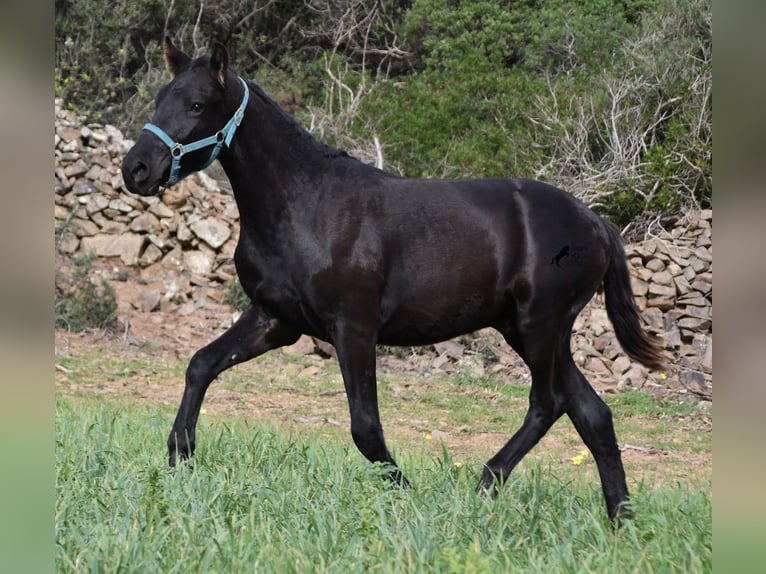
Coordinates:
column 81, row 302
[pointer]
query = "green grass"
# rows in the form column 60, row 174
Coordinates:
column 267, row 498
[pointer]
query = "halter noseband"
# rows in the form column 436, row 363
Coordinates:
column 224, row 136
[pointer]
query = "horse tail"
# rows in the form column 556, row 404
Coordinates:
column 621, row 307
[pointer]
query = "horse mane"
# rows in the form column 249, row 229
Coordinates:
column 291, row 129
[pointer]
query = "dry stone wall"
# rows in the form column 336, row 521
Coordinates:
column 191, row 232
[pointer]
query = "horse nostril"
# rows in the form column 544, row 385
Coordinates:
column 139, row 172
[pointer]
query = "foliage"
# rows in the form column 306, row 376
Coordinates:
column 82, row 303
column 610, row 100
column 235, row 295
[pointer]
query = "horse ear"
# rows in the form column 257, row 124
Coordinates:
column 219, row 62
column 175, row 59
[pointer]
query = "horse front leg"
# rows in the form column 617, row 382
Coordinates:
column 254, row 333
column 356, row 355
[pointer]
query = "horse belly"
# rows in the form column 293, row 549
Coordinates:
column 425, row 312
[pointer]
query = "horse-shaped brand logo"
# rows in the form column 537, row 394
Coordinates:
column 560, row 255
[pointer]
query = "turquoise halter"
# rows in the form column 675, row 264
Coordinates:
column 224, row 136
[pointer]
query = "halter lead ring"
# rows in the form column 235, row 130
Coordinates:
column 220, row 138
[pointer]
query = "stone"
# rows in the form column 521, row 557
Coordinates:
column 451, row 349
column 84, row 227
column 662, row 278
column 148, row 300
column 662, row 290
column 198, row 262
column 599, row 321
column 698, row 264
column 693, row 299
column 151, row 254
column 212, row 231
column 673, row 337
column 644, row 274
column 694, row 324
column 83, row 187
column 120, row 206
column 655, row 265
column 76, row 169
column 661, row 303
column 620, row 365
column 682, row 285
column 692, row 379
column 640, row 287
column 126, row 246
column 707, row 359
column 161, row 210
column 95, row 203
column 145, row 223
column 653, row 318
column 702, row 286
column 636, row 375
column 597, row 366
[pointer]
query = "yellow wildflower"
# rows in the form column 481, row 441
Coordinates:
column 580, row 457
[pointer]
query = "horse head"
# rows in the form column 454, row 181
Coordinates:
column 196, row 116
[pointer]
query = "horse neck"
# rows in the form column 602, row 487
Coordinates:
column 272, row 162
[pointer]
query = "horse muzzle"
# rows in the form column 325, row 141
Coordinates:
column 142, row 175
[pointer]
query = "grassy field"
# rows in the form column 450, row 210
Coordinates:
column 277, row 485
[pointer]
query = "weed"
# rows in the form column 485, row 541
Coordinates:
column 235, row 295
column 81, row 302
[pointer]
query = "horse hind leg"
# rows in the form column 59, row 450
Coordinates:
column 545, row 405
column 593, row 420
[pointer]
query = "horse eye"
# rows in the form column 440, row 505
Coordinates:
column 196, row 107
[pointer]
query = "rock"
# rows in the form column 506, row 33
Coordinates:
column 653, row 318
column 620, row 365
column 84, row 187
column 198, row 262
column 636, row 375
column 640, row 287
column 599, row 322
column 655, row 265
column 451, row 349
column 694, row 324
column 161, row 210
column 148, row 300
column 597, row 366
column 682, row 285
column 145, row 223
column 661, row 303
column 662, row 278
column 692, row 379
column 662, row 290
column 702, row 286
column 303, row 346
column 120, row 205
column 84, row 227
column 212, row 231
column 151, row 254
column 126, row 246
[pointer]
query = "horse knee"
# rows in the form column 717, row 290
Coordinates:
column 199, row 371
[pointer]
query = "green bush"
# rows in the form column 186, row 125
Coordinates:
column 610, row 100
column 235, row 295
column 82, row 303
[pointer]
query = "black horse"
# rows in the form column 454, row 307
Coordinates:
column 339, row 250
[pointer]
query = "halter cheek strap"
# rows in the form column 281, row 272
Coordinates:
column 219, row 139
